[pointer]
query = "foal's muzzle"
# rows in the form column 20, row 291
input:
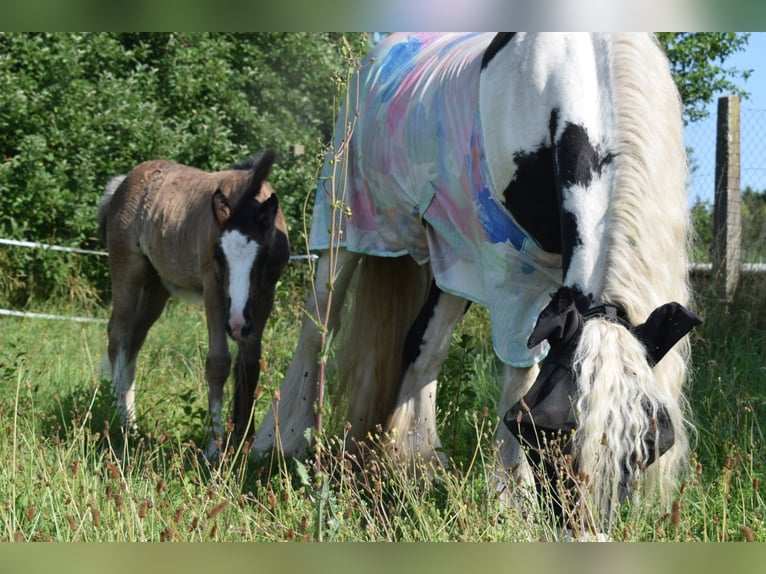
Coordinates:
column 239, row 326
column 237, row 331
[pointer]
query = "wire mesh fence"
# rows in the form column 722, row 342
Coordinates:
column 701, row 143
column 700, row 139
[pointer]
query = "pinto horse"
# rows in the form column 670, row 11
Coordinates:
column 542, row 176
column 171, row 229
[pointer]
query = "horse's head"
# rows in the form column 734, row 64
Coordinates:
column 252, row 249
column 550, row 407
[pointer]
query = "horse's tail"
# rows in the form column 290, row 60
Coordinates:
column 103, row 206
column 388, row 295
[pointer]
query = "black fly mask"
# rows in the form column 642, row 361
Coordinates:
column 547, row 409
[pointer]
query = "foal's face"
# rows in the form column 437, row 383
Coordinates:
column 248, row 262
column 237, row 255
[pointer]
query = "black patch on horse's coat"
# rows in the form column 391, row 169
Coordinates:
column 498, row 43
column 535, row 197
column 577, row 159
column 533, row 192
column 571, row 239
column 414, row 339
column 532, row 199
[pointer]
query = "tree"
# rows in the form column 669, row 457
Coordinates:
column 697, row 61
column 702, row 230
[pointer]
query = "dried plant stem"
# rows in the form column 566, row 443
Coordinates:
column 335, row 185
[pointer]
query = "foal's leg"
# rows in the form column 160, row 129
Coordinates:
column 426, row 348
column 138, row 300
column 511, row 462
column 217, row 362
column 247, row 369
column 292, row 412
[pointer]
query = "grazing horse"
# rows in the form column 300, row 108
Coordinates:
column 542, row 176
column 171, row 229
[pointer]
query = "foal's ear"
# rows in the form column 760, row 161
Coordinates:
column 666, row 325
column 267, row 211
column 260, row 172
column 221, row 207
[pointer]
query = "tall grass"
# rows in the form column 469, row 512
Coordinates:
column 67, row 473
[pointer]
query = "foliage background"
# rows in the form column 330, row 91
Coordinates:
column 753, row 227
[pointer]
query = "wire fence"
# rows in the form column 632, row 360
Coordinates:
column 62, row 248
column 701, row 142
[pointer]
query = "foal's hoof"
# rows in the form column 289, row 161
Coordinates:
column 129, row 429
column 568, row 535
column 213, row 450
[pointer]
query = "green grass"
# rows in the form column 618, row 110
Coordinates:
column 67, row 474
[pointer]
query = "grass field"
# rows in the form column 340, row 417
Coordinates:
column 67, row 473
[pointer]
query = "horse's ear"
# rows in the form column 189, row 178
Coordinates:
column 665, row 326
column 559, row 322
column 221, row 207
column 267, row 211
column 261, row 171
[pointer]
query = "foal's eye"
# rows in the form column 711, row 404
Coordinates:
column 218, row 255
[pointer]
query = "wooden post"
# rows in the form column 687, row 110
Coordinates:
column 726, row 209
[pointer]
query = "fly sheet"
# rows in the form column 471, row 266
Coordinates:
column 416, row 182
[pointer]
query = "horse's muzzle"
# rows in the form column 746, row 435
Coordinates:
column 239, row 328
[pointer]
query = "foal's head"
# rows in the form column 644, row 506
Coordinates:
column 251, row 251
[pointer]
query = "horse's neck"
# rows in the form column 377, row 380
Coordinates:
column 532, row 93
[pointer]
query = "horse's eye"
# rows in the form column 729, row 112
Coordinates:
column 219, row 256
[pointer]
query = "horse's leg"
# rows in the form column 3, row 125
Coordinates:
column 292, row 411
column 511, row 462
column 412, row 423
column 217, row 362
column 122, row 366
column 138, row 300
column 247, row 368
column 247, row 371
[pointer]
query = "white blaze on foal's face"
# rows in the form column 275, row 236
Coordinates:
column 240, row 253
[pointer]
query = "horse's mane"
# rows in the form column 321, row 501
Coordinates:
column 646, row 266
column 650, row 184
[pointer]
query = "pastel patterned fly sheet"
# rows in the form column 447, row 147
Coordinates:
column 426, row 89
